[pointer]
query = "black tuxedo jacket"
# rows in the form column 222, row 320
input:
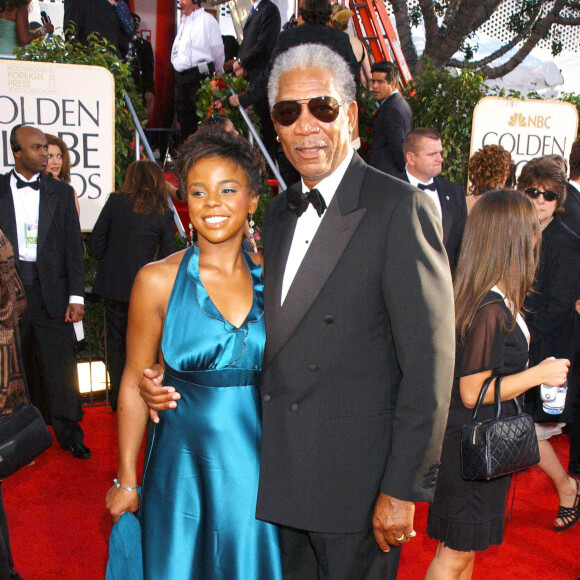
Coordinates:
column 60, row 251
column 453, row 216
column 305, row 33
column 549, row 310
column 126, row 241
column 391, row 123
column 260, row 34
column 358, row 365
column 142, row 66
column 571, row 215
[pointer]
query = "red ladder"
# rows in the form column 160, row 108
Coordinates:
column 374, row 18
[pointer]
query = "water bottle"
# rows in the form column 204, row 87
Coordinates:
column 554, row 398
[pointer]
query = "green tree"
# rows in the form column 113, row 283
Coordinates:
column 450, row 27
column 445, row 102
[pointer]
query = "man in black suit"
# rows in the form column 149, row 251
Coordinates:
column 423, row 154
column 38, row 216
column 571, row 215
column 260, row 34
column 359, row 358
column 140, row 56
column 95, row 16
column 391, row 123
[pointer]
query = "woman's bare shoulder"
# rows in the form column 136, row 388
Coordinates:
column 160, row 274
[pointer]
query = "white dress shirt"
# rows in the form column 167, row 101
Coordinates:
column 308, row 222
column 432, row 194
column 574, row 184
column 26, row 210
column 198, row 40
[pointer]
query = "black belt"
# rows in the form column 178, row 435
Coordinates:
column 28, row 273
column 195, row 69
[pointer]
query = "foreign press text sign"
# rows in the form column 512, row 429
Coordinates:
column 75, row 103
column 526, row 129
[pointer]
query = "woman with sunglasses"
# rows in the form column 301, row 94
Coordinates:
column 496, row 267
column 549, row 313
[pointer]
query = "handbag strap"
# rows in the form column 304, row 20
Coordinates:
column 497, row 398
column 481, row 397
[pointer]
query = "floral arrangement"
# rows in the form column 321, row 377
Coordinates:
column 213, row 99
column 367, row 108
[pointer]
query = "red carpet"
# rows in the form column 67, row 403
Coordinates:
column 59, row 527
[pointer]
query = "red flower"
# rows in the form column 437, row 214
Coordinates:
column 221, row 84
column 218, row 104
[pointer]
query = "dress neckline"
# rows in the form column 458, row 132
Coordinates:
column 206, row 303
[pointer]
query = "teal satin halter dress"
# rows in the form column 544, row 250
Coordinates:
column 201, row 476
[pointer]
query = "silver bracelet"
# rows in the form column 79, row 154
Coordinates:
column 119, row 486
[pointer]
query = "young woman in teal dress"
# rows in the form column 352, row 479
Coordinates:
column 200, row 312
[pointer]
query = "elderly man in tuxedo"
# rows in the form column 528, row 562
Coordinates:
column 424, row 162
column 359, row 357
column 38, row 216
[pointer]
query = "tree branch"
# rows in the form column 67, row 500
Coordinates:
column 539, row 32
column 457, row 29
column 567, row 21
column 498, row 53
column 401, row 11
column 486, row 9
column 429, row 20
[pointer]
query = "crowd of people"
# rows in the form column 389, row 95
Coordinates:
column 301, row 400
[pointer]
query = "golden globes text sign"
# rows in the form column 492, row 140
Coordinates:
column 526, row 129
column 75, row 103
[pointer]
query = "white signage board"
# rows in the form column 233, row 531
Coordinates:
column 526, row 129
column 75, row 103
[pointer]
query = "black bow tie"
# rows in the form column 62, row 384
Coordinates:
column 21, row 183
column 425, row 186
column 297, row 201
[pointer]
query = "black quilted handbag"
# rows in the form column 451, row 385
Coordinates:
column 23, row 436
column 500, row 445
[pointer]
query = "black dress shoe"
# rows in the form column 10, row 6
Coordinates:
column 80, row 451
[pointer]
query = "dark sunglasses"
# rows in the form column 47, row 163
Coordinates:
column 325, row 109
column 534, row 193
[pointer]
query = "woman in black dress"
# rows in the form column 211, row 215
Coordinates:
column 496, row 269
column 134, row 225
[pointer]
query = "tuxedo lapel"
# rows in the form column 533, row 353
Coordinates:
column 335, row 231
column 46, row 210
column 7, row 214
column 446, row 207
column 277, row 255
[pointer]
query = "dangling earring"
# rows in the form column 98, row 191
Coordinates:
column 277, row 138
column 252, row 224
column 190, row 234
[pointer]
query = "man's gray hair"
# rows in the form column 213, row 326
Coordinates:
column 313, row 56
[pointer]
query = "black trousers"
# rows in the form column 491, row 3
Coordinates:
column 50, row 367
column 187, row 83
column 7, row 571
column 574, row 423
column 321, row 556
column 117, row 315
